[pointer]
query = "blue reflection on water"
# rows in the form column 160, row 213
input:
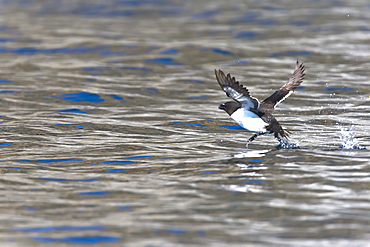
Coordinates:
column 81, row 126
column 176, row 231
column 60, row 228
column 198, row 97
column 138, row 157
column 81, row 97
column 208, row 172
column 267, row 21
column 163, row 60
column 5, row 144
column 52, row 160
column 246, row 34
column 114, row 96
column 30, row 208
column 65, row 50
column 9, row 91
column 232, row 127
column 135, row 68
column 338, row 89
column 74, row 110
column 117, row 161
column 290, row 53
column 54, row 179
column 247, row 17
column 94, row 193
column 170, row 51
column 256, row 160
column 242, row 61
column 220, row 51
column 196, row 81
column 100, row 8
column 58, row 160
column 169, row 10
column 299, row 23
column 5, row 81
column 87, row 180
column 206, row 14
column 116, row 170
column 95, row 69
column 254, row 181
column 78, row 239
column 363, row 28
column 152, row 90
column 76, row 180
column 197, row 124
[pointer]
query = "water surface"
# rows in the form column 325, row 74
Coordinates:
column 111, row 133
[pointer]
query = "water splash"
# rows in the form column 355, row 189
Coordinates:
column 348, row 139
column 286, row 143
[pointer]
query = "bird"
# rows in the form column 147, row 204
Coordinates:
column 250, row 113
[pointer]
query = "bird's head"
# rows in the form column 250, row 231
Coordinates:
column 230, row 107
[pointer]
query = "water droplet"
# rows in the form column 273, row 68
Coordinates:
column 348, row 139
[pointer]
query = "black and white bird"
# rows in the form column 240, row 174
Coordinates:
column 253, row 115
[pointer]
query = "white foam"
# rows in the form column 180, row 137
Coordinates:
column 286, row 143
column 348, row 139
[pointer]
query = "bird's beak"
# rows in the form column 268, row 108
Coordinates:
column 221, row 107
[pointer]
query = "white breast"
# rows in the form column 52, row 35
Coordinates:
column 249, row 120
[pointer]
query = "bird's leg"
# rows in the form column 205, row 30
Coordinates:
column 254, row 137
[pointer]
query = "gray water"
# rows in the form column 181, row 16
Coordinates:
column 111, row 134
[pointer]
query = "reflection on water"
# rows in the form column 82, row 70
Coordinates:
column 251, row 154
column 111, row 133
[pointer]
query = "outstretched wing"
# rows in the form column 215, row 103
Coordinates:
column 269, row 104
column 236, row 91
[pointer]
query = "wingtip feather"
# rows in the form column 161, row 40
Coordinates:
column 296, row 78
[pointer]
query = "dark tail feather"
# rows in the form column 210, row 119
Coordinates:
column 275, row 127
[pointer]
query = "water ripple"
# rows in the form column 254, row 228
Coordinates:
column 109, row 117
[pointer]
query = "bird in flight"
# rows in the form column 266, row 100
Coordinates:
column 253, row 115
